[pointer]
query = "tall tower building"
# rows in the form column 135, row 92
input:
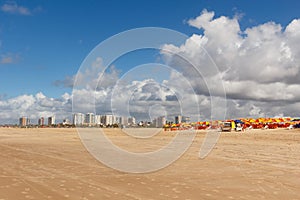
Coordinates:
column 131, row 121
column 97, row 119
column 160, row 122
column 23, row 121
column 178, row 119
column 108, row 120
column 41, row 121
column 78, row 119
column 90, row 118
column 51, row 120
column 124, row 121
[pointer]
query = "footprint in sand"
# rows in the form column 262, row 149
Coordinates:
column 176, row 190
column 29, row 197
column 91, row 195
column 215, row 190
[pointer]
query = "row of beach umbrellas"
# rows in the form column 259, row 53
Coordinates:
column 275, row 122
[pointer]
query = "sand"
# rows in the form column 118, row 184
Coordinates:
column 53, row 164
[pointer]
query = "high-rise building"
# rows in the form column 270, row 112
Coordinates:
column 131, row 121
column 123, row 121
column 98, row 119
column 78, row 119
column 41, row 121
column 51, row 120
column 90, row 118
column 28, row 121
column 159, row 122
column 24, row 121
column 108, row 120
column 178, row 119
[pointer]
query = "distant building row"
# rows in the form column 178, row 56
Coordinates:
column 25, row 121
column 90, row 119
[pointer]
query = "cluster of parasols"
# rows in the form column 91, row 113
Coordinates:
column 238, row 124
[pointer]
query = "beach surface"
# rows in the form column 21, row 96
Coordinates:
column 45, row 163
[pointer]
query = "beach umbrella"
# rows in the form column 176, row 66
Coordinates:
column 233, row 125
column 238, row 121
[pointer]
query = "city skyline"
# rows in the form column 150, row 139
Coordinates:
column 253, row 46
column 91, row 119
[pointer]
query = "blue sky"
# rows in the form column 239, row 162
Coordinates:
column 52, row 41
column 43, row 42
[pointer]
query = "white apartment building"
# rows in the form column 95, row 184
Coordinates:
column 78, row 119
column 131, row 121
column 159, row 122
column 90, row 118
column 51, row 120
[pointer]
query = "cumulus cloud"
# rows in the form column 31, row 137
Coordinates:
column 34, row 107
column 131, row 95
column 257, row 70
column 91, row 78
column 259, row 65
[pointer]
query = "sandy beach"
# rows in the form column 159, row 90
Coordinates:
column 53, row 164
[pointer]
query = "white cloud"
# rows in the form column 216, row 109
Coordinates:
column 13, row 8
column 34, row 106
column 91, row 78
column 202, row 20
column 141, row 99
column 259, row 68
column 260, row 64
